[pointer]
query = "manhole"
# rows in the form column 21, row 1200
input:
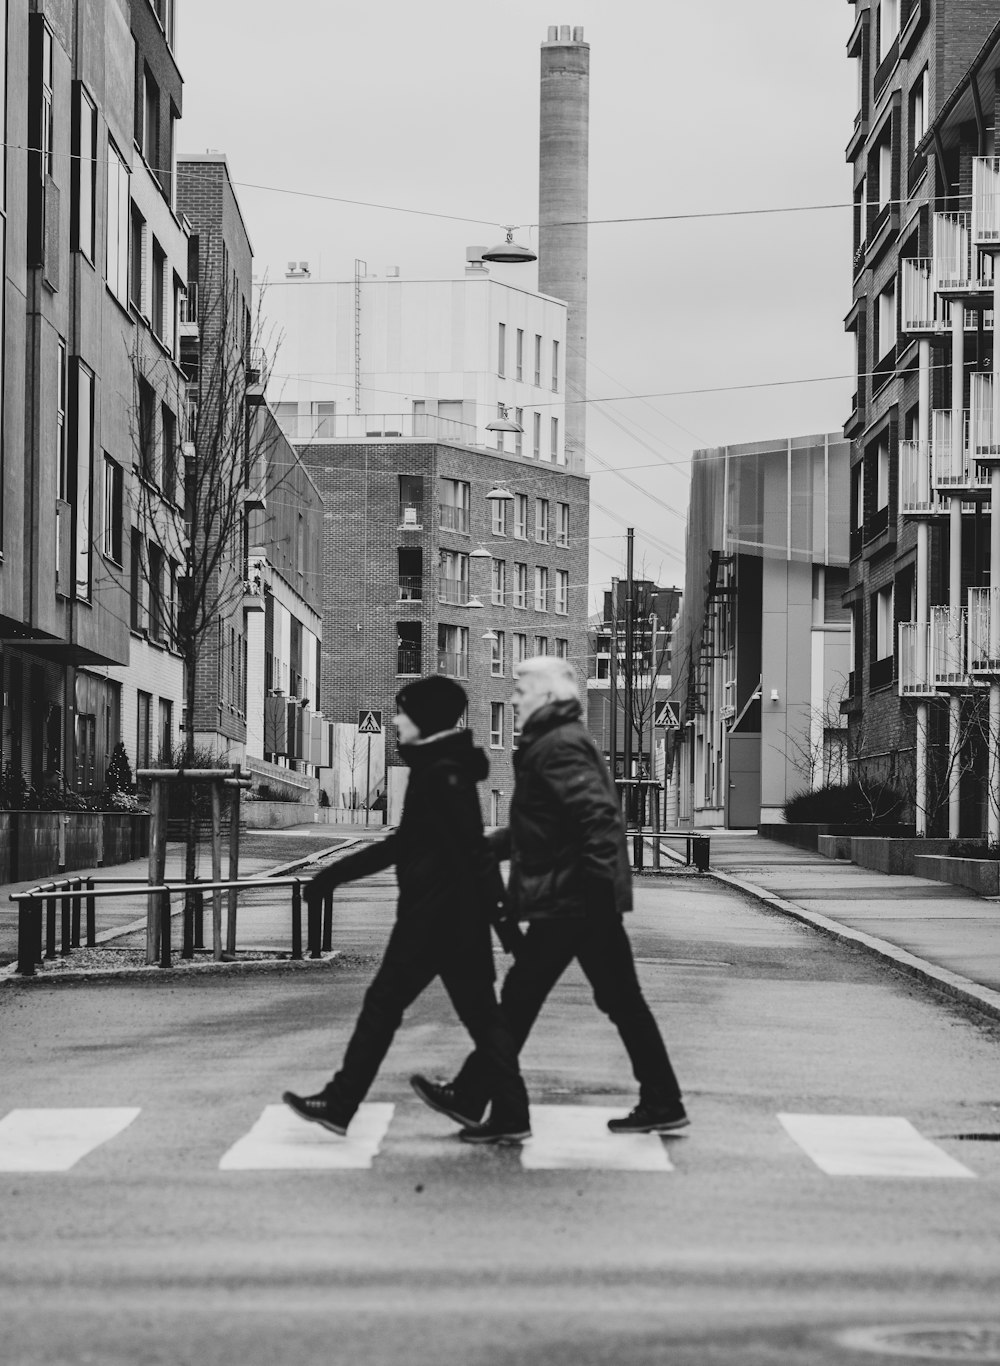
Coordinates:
column 929, row 1341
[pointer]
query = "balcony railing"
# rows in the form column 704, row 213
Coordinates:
column 411, row 587
column 984, row 396
column 917, row 498
column 985, row 199
column 453, row 518
column 959, row 267
column 984, row 632
column 922, row 310
column 932, row 654
column 952, row 465
column 453, row 590
column 409, row 659
column 453, row 663
column 357, row 426
column 411, row 516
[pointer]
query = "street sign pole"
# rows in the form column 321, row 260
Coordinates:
column 368, row 776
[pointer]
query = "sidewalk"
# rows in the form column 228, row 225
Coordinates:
column 262, row 853
column 945, row 935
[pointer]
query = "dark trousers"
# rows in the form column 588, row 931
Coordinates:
column 462, row 956
column 601, row 947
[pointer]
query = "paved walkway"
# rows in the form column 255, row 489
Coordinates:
column 943, row 934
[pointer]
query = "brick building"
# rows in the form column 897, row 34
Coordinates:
column 923, row 471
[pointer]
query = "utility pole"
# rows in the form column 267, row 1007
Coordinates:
column 629, row 660
column 613, row 747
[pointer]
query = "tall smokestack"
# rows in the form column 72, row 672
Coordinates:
column 562, row 211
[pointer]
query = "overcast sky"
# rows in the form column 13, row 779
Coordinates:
column 694, row 109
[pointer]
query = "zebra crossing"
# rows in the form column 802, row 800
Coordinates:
column 564, row 1137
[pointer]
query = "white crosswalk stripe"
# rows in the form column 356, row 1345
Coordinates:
column 577, row 1137
column 53, row 1140
column 281, row 1141
column 870, row 1145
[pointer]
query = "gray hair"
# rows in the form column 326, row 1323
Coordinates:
column 558, row 675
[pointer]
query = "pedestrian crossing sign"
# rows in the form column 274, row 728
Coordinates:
column 369, row 723
column 667, row 717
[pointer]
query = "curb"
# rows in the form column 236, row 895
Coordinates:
column 951, row 984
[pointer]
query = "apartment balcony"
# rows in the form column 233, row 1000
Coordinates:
column 388, row 426
column 922, row 310
column 932, row 654
column 984, row 399
column 961, row 272
column 409, row 659
column 411, row 588
column 917, row 495
column 986, row 201
column 953, row 467
column 411, row 516
column 984, row 633
column 453, row 519
column 453, row 664
column 454, row 591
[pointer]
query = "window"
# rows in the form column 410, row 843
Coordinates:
column 61, row 422
column 520, row 648
column 538, row 360
column 155, row 561
column 888, row 26
column 886, row 320
column 541, row 588
column 453, row 578
column 166, row 732
column 562, row 592
column 536, row 435
column 541, row 645
column 919, row 106
column 884, row 173
column 146, row 434
column 496, row 725
column 135, row 581
column 882, row 474
column 520, row 516
column 498, row 582
column 495, row 797
column 498, row 654
column 501, row 349
column 137, row 263
column 520, row 585
column 860, row 218
column 150, row 120
column 554, row 439
column 46, row 130
column 409, row 647
column 883, row 623
column 84, row 177
column 168, row 424
column 411, row 500
column 555, row 367
column 84, row 433
column 519, row 436
column 542, row 521
column 499, row 516
column 165, row 13
column 562, row 649
column 454, row 506
column 519, row 354
column 562, row 524
column 159, row 285
column 453, row 651
column 118, row 224
column 144, row 704
column 323, row 414
column 410, row 563
column 113, row 508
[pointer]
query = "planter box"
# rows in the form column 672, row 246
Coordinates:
column 981, row 876
column 41, row 844
column 834, row 846
column 807, row 835
column 893, row 854
column 276, row 815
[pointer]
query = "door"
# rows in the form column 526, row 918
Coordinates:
column 743, row 796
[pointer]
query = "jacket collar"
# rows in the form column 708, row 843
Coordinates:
column 454, row 745
column 550, row 716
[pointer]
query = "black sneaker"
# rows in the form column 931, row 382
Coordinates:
column 319, row 1109
column 440, row 1096
column 501, row 1135
column 651, row 1119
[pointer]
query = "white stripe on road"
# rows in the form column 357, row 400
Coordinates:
column 53, row 1140
column 869, row 1145
column 577, row 1137
column 281, row 1141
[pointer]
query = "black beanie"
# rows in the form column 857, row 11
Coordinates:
column 433, row 704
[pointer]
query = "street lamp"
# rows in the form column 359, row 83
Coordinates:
column 503, row 423
column 510, row 252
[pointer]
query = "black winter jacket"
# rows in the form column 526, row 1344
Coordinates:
column 443, row 864
column 566, row 838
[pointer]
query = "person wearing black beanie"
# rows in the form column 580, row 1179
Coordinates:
column 450, row 891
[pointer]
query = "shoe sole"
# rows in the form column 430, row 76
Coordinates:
column 466, row 1121
column 672, row 1127
column 338, row 1129
column 497, row 1140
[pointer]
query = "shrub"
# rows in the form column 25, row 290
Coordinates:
column 974, row 849
column 119, row 777
column 844, row 804
column 324, row 797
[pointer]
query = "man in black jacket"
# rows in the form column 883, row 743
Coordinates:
column 449, row 891
column 570, row 880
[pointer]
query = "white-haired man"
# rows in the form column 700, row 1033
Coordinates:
column 570, row 880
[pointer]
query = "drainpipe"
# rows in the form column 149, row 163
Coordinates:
column 955, row 564
column 923, row 533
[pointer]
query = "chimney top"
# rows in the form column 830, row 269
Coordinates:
column 560, row 33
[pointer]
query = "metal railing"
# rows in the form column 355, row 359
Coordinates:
column 959, row 267
column 952, row 463
column 916, row 494
column 411, row 516
column 454, row 591
column 36, row 924
column 985, row 418
column 986, row 199
column 411, row 587
column 932, row 654
column 453, row 663
column 984, row 632
column 357, row 426
column 409, row 659
column 453, row 518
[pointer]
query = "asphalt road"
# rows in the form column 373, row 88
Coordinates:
column 743, row 1249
